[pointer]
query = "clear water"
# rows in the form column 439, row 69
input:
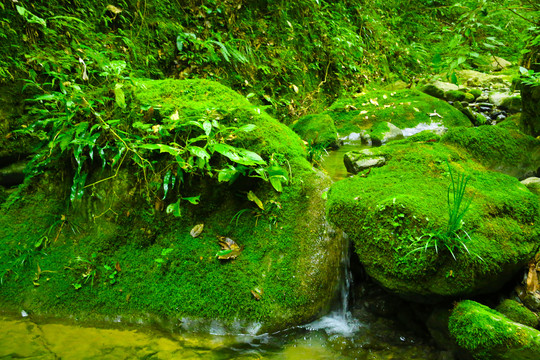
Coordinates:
column 333, row 161
column 331, row 337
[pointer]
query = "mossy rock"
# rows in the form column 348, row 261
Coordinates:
column 317, row 130
column 395, row 214
column 482, row 80
column 499, row 148
column 517, row 312
column 403, row 109
column 438, row 89
column 488, row 334
column 533, row 184
column 454, row 95
column 475, row 92
column 286, row 274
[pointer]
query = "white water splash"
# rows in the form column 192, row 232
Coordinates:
column 336, row 323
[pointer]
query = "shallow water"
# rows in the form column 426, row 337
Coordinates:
column 331, row 337
column 333, row 161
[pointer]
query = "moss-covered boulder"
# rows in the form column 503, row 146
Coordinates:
column 517, row 312
column 317, row 130
column 487, row 334
column 499, row 148
column 398, row 218
column 403, row 109
column 132, row 245
column 438, row 89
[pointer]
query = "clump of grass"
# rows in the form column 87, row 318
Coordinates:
column 454, row 238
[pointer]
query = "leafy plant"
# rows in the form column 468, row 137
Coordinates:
column 529, row 77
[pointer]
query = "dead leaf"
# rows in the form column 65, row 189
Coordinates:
column 374, row 102
column 117, row 267
column 197, row 230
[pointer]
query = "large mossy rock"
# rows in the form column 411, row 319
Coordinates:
column 487, row 334
column 499, row 148
column 317, row 130
column 286, row 274
column 397, row 213
column 403, row 109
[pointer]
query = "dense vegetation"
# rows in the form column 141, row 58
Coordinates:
column 131, row 102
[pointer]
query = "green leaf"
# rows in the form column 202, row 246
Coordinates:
column 223, row 253
column 119, row 95
column 252, row 197
column 194, row 199
column 174, row 208
column 207, row 126
column 247, row 128
column 249, row 157
column 166, row 180
column 199, row 152
column 276, row 183
column 227, row 174
column 179, row 43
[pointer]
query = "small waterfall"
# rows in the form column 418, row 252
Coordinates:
column 340, row 320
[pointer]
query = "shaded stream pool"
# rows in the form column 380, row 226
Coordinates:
column 331, row 337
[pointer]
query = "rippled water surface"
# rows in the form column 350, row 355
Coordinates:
column 335, row 336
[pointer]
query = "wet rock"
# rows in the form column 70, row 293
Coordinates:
column 384, row 132
column 438, row 89
column 498, row 64
column 481, row 80
column 531, row 300
column 533, row 184
column 357, row 161
column 488, row 334
column 506, row 101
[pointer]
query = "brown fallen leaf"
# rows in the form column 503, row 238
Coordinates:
column 117, row 267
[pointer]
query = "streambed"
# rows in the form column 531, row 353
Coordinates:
column 331, row 337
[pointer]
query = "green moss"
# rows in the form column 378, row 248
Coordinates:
column 390, row 214
column 454, row 95
column 517, row 312
column 402, row 108
column 488, row 334
column 469, row 97
column 475, row 92
column 500, row 148
column 318, row 129
column 120, row 225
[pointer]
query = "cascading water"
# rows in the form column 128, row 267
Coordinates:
column 340, row 320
